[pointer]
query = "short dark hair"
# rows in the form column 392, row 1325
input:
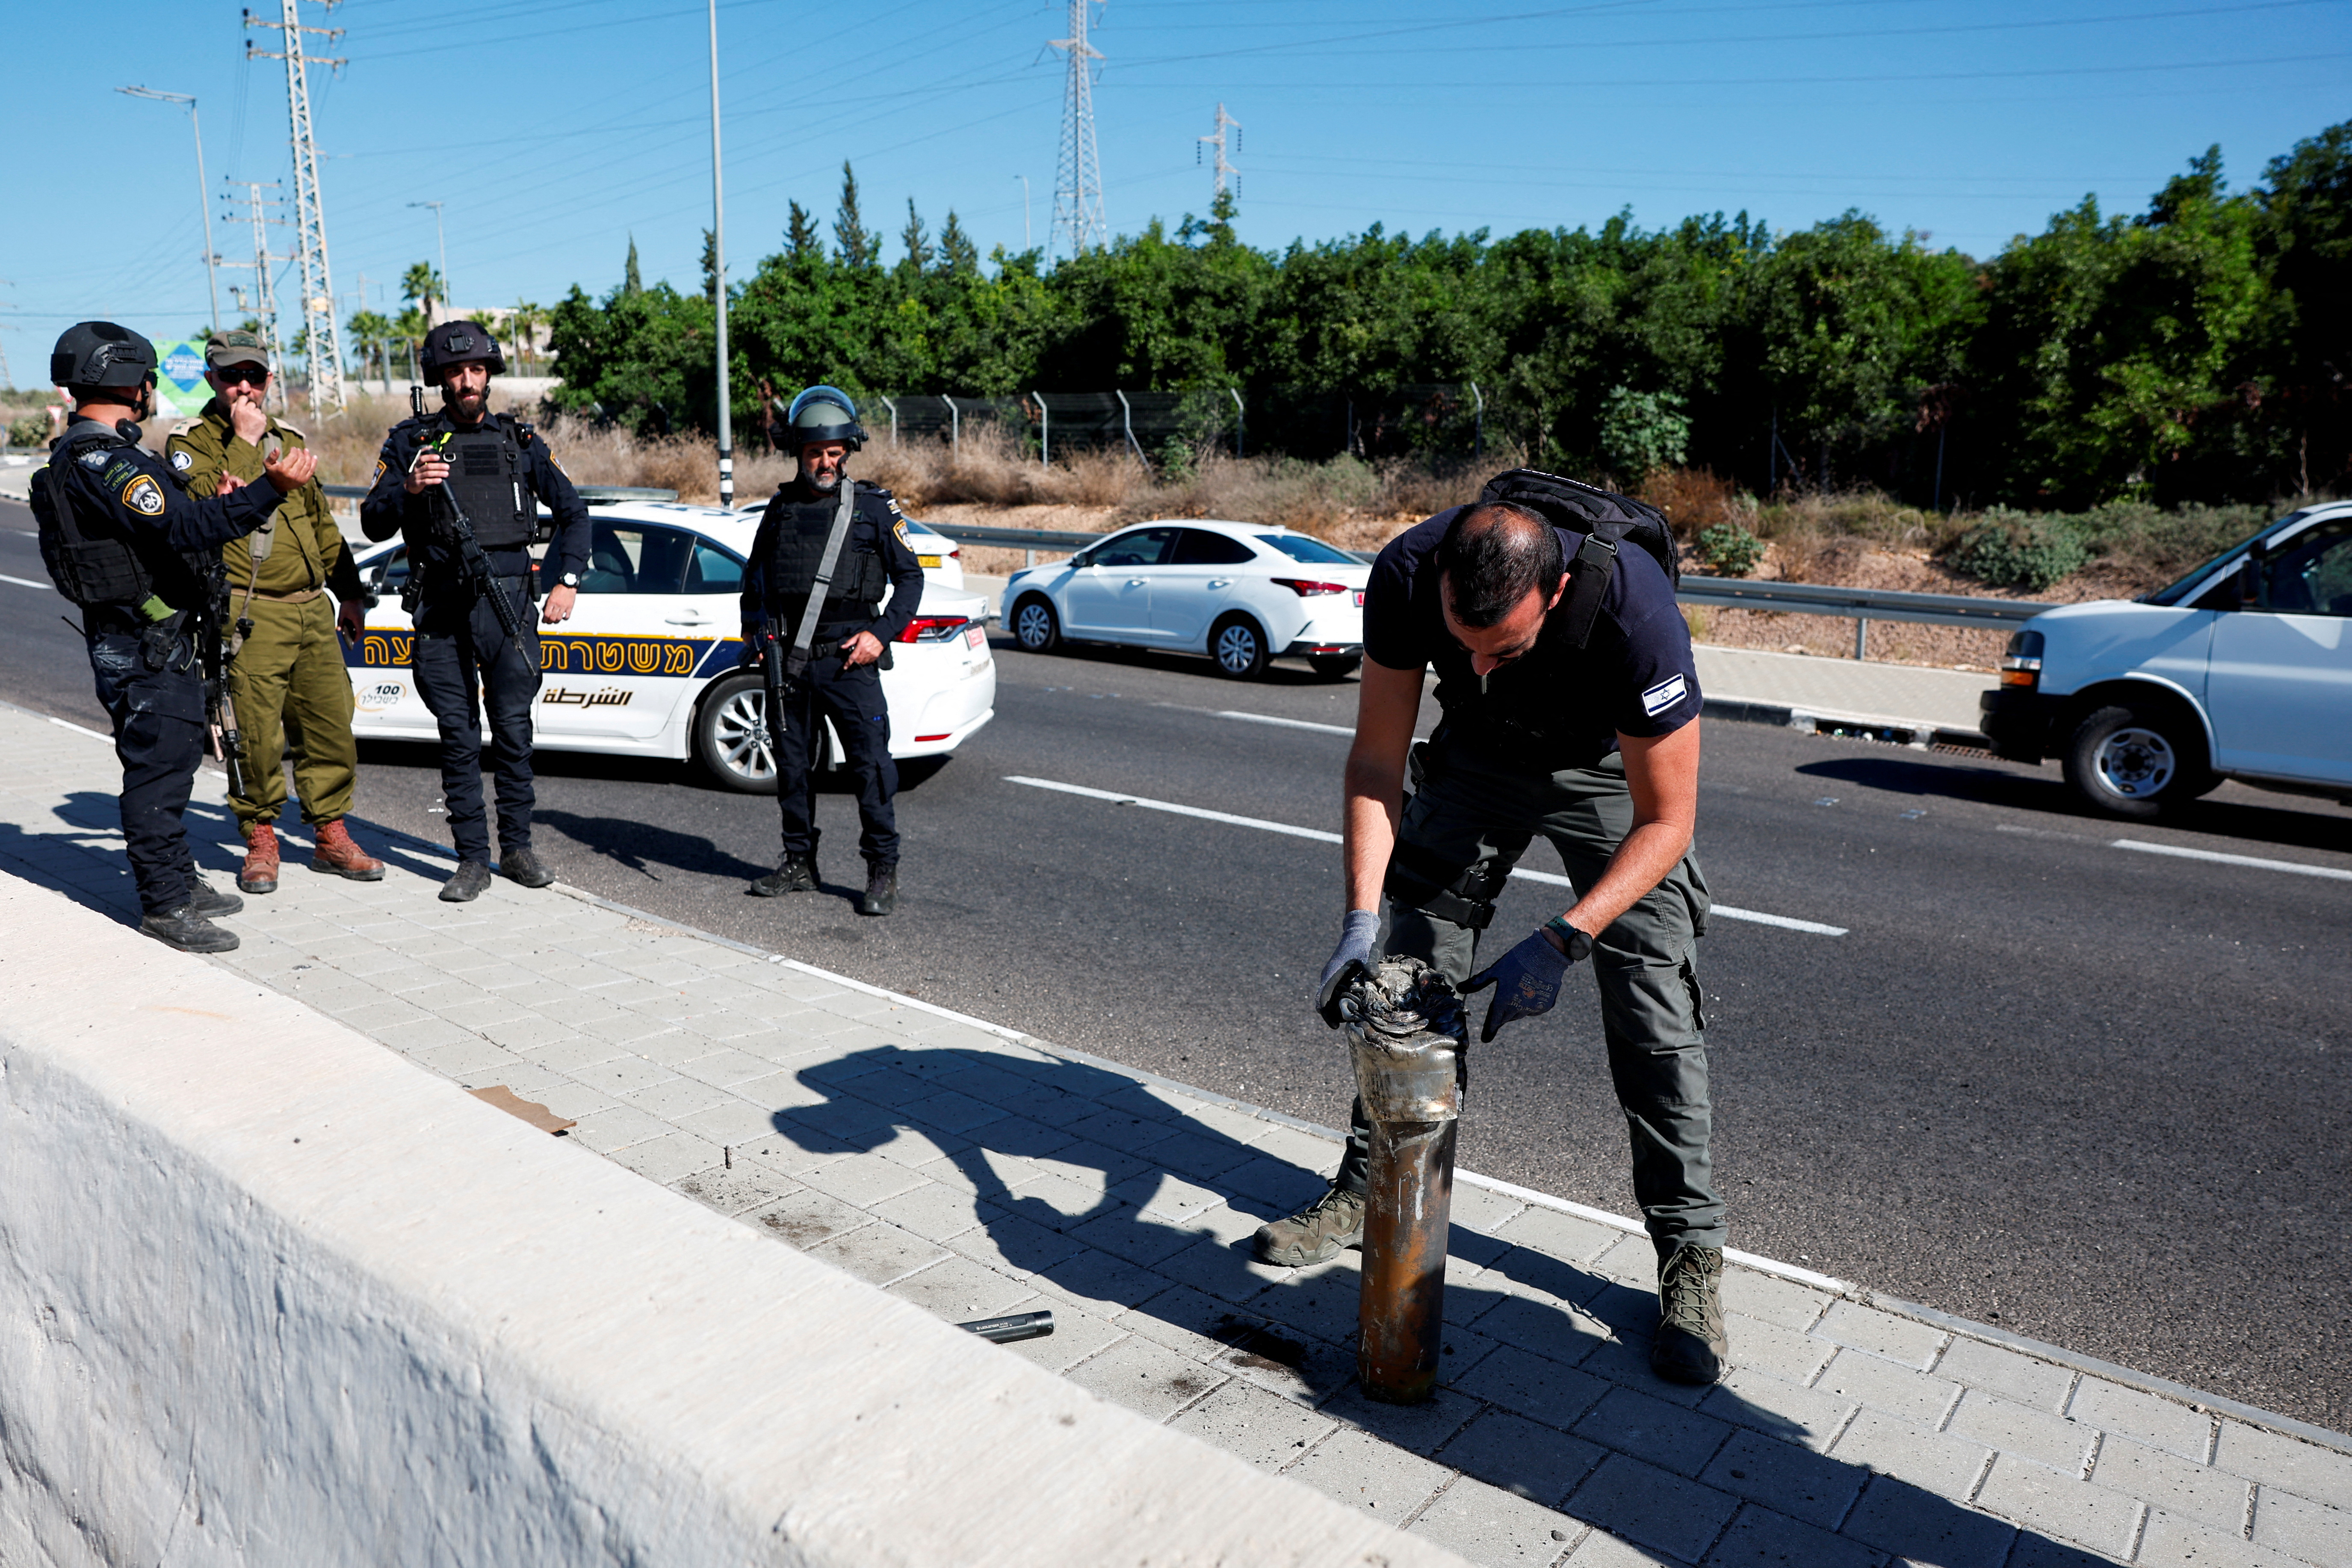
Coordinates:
column 1493, row 556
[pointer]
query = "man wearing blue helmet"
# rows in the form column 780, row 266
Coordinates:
column 829, row 548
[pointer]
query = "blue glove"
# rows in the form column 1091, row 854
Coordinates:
column 1351, row 961
column 1526, row 979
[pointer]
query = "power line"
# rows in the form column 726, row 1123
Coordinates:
column 1077, row 186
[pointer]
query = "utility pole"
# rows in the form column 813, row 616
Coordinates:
column 1078, row 187
column 265, row 291
column 1224, row 168
column 441, row 243
column 719, row 280
column 319, row 330
column 204, row 187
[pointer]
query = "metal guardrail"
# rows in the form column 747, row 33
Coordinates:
column 592, row 494
column 1025, row 538
column 1870, row 604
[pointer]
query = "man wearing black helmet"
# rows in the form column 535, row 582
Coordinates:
column 829, row 548
column 493, row 470
column 142, row 558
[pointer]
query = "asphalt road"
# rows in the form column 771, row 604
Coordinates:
column 2096, row 1096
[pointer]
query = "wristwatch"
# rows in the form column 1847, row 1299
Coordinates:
column 568, row 580
column 1578, row 944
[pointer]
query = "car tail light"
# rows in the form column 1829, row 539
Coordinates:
column 1359, row 598
column 934, row 628
column 1307, row 590
column 941, row 736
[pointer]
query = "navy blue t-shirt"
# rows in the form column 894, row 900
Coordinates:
column 1557, row 706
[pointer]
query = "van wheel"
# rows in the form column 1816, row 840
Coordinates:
column 732, row 738
column 2136, row 762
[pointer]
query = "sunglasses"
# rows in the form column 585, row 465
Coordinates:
column 247, row 374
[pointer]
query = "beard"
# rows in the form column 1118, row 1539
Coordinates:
column 468, row 405
column 825, row 484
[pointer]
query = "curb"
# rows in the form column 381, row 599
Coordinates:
column 2145, row 1383
column 1918, row 734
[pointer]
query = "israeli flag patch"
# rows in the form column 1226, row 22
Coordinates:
column 1664, row 695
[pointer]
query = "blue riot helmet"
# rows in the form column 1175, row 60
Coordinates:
column 823, row 414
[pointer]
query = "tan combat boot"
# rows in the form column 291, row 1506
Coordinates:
column 1324, row 1228
column 259, row 873
column 337, row 856
column 1690, row 1341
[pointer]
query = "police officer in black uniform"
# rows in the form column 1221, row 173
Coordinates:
column 494, row 469
column 143, row 558
column 849, row 646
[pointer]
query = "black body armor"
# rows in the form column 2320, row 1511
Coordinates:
column 485, row 478
column 860, row 579
column 96, row 559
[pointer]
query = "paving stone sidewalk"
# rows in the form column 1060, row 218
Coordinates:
column 978, row 1171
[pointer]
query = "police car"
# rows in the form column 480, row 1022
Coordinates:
column 2242, row 670
column 1241, row 593
column 650, row 664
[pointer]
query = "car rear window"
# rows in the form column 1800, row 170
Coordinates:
column 1314, row 552
column 1199, row 547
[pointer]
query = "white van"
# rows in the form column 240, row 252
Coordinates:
column 2242, row 670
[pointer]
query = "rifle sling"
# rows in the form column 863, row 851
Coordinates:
column 806, row 636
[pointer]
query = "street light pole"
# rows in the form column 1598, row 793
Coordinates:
column 718, row 278
column 204, row 189
column 441, row 243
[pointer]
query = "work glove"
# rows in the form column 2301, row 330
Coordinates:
column 1527, row 979
column 1352, row 960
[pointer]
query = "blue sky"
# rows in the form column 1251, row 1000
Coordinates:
column 556, row 132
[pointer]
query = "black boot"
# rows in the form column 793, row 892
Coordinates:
column 189, row 931
column 209, row 902
column 466, row 886
column 796, row 875
column 522, row 865
column 881, row 888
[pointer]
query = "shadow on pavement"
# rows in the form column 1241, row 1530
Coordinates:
column 2313, row 825
column 1286, row 672
column 1124, row 1205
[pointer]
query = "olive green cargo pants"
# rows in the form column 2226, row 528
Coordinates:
column 290, row 687
column 1463, row 812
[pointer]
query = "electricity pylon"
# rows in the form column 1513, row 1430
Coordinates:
column 264, row 306
column 1077, row 189
column 326, row 344
column 1224, row 168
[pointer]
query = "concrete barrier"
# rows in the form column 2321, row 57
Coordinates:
column 269, row 1293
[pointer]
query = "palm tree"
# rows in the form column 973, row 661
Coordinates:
column 371, row 331
column 525, row 323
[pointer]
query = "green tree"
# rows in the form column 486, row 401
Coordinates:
column 959, row 258
column 854, row 243
column 632, row 284
column 802, row 240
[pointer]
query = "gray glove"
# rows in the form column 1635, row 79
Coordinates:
column 1351, row 961
column 1526, row 979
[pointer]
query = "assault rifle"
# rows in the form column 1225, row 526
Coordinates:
column 772, row 670
column 214, row 656
column 458, row 531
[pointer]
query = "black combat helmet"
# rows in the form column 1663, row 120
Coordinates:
column 99, row 354
column 823, row 414
column 452, row 344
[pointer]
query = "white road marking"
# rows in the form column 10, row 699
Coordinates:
column 80, row 730
column 1318, row 834
column 1285, row 723
column 2215, row 855
column 28, row 582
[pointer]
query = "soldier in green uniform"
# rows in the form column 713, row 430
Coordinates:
column 288, row 679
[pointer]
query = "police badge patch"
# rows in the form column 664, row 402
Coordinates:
column 182, row 462
column 898, row 527
column 143, row 496
column 380, row 466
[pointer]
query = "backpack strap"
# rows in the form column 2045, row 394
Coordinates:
column 1588, row 586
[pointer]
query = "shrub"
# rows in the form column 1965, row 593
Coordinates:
column 2012, row 550
column 1729, row 550
column 32, row 430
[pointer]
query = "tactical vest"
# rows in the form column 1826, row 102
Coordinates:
column 487, row 478
column 796, row 549
column 96, row 559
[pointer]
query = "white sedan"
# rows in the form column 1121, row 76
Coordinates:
column 1242, row 593
column 648, row 664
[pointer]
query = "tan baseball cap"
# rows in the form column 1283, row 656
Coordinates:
column 236, row 348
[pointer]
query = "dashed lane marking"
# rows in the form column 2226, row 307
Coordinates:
column 2214, row 855
column 28, row 582
column 1756, row 917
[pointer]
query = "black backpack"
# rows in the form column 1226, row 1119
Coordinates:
column 1603, row 518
